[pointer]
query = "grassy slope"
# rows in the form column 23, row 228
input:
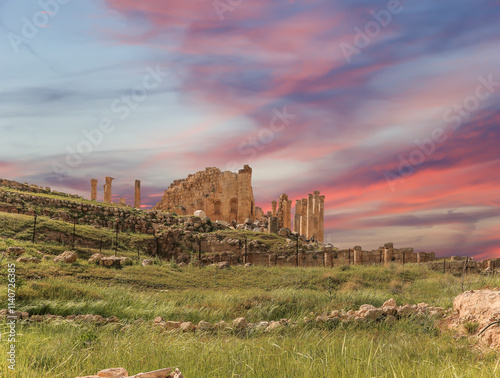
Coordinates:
column 257, row 293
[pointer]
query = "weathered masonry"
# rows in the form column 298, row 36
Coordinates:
column 225, row 196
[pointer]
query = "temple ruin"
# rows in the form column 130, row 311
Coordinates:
column 225, row 196
column 93, row 190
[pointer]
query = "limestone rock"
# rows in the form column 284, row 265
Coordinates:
column 239, row 323
column 390, row 302
column 162, row 373
column 15, row 251
column 204, row 326
column 67, row 257
column 28, row 259
column 147, row 262
column 176, row 374
column 187, row 327
column 113, row 373
column 110, row 261
column 223, row 265
column 172, row 325
column 95, row 258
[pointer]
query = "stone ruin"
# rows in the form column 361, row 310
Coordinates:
column 224, row 196
column 108, row 192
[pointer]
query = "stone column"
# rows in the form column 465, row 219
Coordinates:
column 273, row 204
column 316, row 215
column 107, row 189
column 137, row 197
column 273, row 225
column 288, row 214
column 388, row 253
column 298, row 216
column 321, row 215
column 310, row 213
column 303, row 218
column 93, row 190
column 358, row 255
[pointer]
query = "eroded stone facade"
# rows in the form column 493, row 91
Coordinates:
column 225, row 196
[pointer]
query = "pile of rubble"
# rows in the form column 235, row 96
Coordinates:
column 389, row 312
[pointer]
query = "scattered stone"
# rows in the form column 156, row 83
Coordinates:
column 239, row 323
column 147, row 262
column 390, row 303
column 172, row 325
column 187, row 327
column 67, row 257
column 110, row 261
column 223, row 265
column 15, row 251
column 205, row 326
column 26, row 259
column 96, row 258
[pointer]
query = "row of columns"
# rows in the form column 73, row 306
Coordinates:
column 310, row 216
column 108, row 192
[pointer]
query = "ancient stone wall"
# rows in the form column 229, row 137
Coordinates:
column 225, row 196
column 25, row 187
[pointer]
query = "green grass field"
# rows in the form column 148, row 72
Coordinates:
column 409, row 348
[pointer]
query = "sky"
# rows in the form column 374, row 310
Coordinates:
column 388, row 108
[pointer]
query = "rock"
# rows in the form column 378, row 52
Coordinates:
column 113, row 373
column 248, row 221
column 223, row 265
column 158, row 319
column 112, row 319
column 139, row 321
column 248, row 265
column 95, row 258
column 110, row 261
column 391, row 302
column 172, row 325
column 373, row 314
column 205, row 326
column 407, row 310
column 483, row 307
column 36, row 318
column 162, row 373
column 261, row 325
column 27, row 259
column 200, row 213
column 273, row 326
column 176, row 374
column 15, row 251
column 390, row 310
column 391, row 319
column 187, row 327
column 239, row 323
column 147, row 262
column 67, row 257
column 285, row 232
column 222, row 325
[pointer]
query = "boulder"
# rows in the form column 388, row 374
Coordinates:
column 110, row 261
column 273, row 326
column 162, row 373
column 483, row 307
column 223, row 265
column 67, row 257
